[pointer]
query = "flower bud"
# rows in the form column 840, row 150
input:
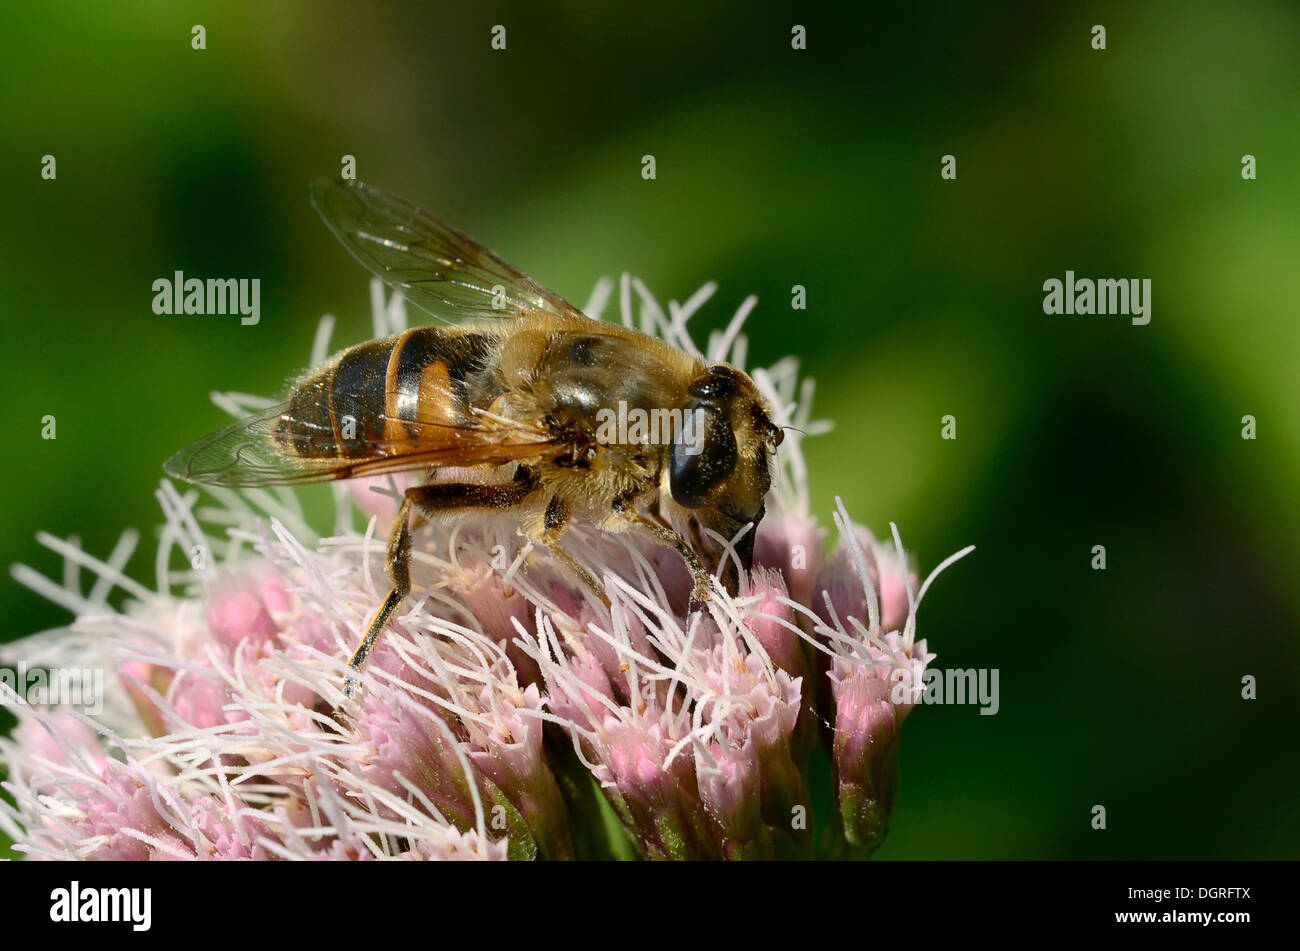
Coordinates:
column 748, row 778
column 657, row 800
column 873, row 694
column 792, row 545
column 496, row 608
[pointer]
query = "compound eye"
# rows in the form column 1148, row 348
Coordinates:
column 703, row 457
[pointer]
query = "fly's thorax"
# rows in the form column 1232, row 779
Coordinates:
column 613, row 385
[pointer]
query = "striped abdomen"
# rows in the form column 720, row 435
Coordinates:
column 378, row 395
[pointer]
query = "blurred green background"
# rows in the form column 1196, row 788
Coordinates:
column 775, row 167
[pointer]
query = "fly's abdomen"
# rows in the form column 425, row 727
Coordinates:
column 376, row 398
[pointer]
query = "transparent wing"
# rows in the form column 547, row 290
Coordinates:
column 436, row 267
column 277, row 447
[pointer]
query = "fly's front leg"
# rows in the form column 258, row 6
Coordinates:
column 667, row 536
column 399, row 572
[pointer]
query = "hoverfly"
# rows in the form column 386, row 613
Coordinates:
column 511, row 384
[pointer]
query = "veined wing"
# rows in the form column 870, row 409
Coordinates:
column 436, row 267
column 282, row 445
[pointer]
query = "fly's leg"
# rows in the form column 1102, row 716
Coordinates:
column 399, row 572
column 667, row 536
column 554, row 523
column 429, row 500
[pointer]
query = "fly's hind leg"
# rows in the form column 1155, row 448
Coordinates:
column 428, row 500
column 399, row 572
